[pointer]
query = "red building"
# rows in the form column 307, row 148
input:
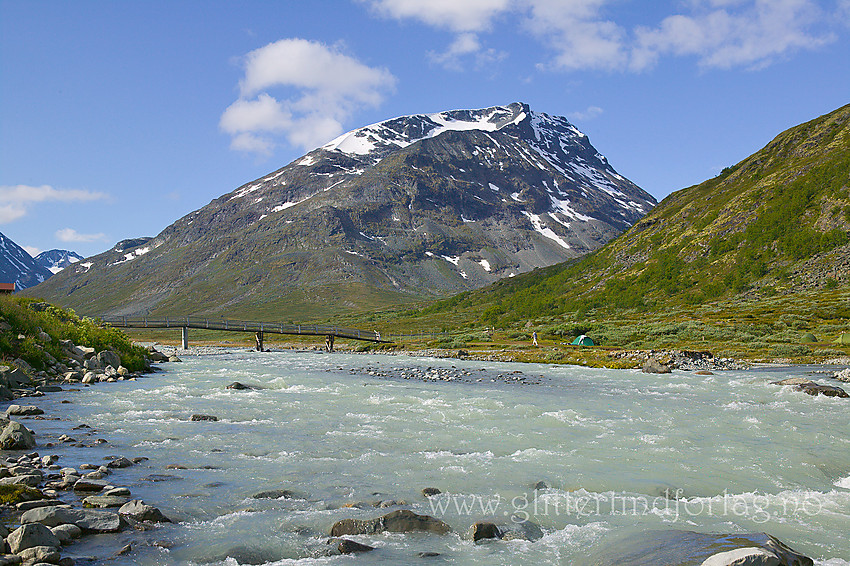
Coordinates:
column 7, row 288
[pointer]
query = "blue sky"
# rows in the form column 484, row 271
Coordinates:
column 118, row 118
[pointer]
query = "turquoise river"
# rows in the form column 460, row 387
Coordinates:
column 624, row 458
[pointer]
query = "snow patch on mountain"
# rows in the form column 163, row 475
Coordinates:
column 545, row 231
column 57, row 260
column 19, row 267
column 405, row 130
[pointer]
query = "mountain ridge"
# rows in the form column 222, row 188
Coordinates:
column 56, row 260
column 410, row 208
column 19, row 267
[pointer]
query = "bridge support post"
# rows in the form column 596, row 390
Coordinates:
column 185, row 337
column 329, row 342
column 258, row 337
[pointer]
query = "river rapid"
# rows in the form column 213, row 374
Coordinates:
column 622, row 456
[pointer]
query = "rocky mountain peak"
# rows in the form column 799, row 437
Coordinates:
column 411, row 207
column 57, row 260
column 19, row 267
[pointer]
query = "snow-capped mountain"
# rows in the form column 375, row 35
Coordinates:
column 410, row 208
column 19, row 267
column 57, row 260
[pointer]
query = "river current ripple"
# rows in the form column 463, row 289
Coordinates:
column 620, row 454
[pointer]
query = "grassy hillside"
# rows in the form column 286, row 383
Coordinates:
column 32, row 331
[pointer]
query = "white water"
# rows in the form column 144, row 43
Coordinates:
column 747, row 456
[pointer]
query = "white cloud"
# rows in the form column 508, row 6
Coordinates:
column 11, row 212
column 330, row 86
column 466, row 44
column 15, row 200
column 578, row 34
column 464, row 17
column 725, row 34
column 71, row 235
column 584, row 115
column 584, row 34
column 32, row 250
column 455, row 15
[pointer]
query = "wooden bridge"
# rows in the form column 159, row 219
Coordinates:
column 258, row 328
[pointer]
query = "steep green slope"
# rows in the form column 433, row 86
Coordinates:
column 775, row 225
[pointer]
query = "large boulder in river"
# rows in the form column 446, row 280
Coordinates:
column 654, row 365
column 808, row 386
column 109, row 358
column 16, row 436
column 31, row 535
column 484, row 530
column 23, row 410
column 523, row 530
column 13, row 378
column 401, row 521
column 793, row 381
column 138, row 510
column 89, row 520
column 826, row 390
column 675, row 547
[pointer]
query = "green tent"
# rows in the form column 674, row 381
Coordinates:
column 808, row 338
column 582, row 341
column 843, row 339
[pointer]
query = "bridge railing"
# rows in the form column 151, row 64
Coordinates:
column 244, row 326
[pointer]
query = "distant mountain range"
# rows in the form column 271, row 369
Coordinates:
column 19, row 267
column 411, row 208
column 57, row 260
column 776, row 224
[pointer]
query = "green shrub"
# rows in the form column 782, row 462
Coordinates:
column 790, row 350
column 58, row 324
